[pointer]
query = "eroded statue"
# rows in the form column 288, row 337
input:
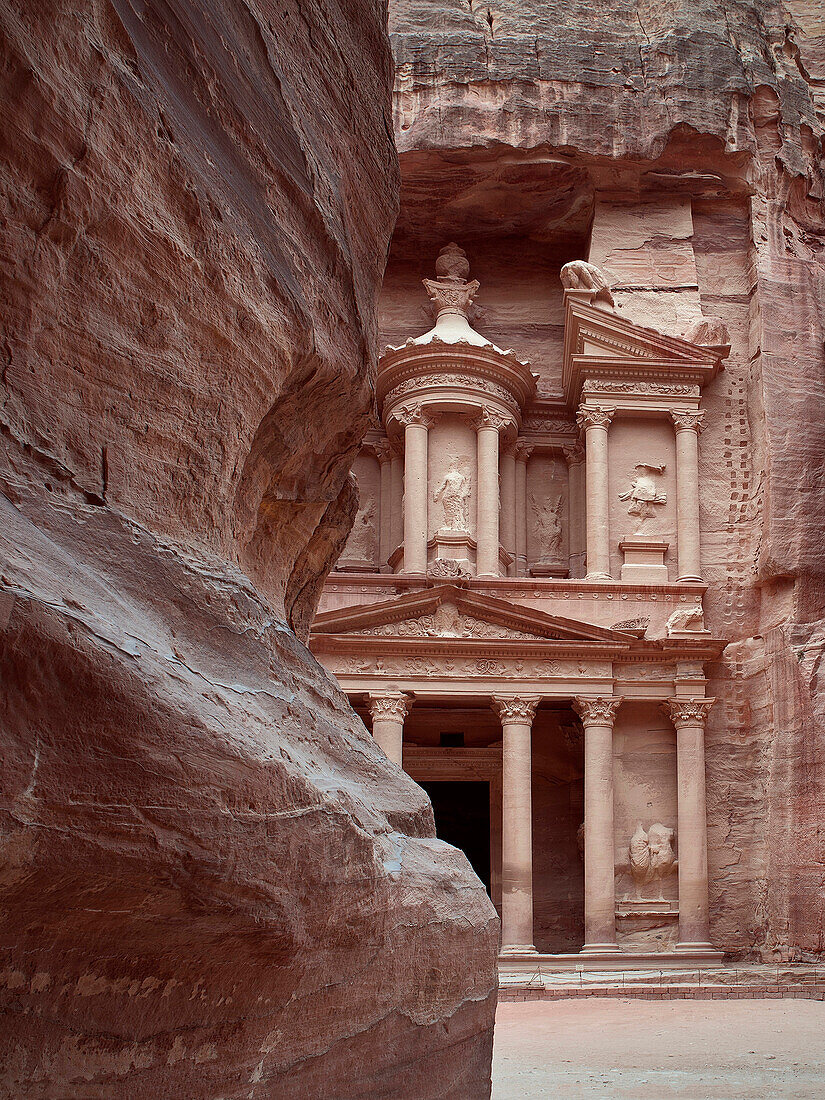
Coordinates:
column 454, row 496
column 686, row 618
column 361, row 542
column 547, row 527
column 643, row 493
column 651, row 857
column 580, row 275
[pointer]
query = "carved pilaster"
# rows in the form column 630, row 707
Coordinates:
column 688, row 712
column 596, row 710
column 520, row 708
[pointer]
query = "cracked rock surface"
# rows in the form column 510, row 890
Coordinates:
column 212, row 884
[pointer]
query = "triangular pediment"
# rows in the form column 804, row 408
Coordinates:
column 450, row 612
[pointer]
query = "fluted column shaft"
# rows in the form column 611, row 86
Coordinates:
column 597, row 715
column 416, row 424
column 595, row 422
column 516, row 716
column 508, row 504
column 689, row 717
column 688, row 426
column 523, row 452
column 388, row 711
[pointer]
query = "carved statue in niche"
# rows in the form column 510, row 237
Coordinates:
column 454, row 495
column 643, row 493
column 361, row 542
column 651, row 857
column 547, row 527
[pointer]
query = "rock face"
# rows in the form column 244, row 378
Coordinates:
column 213, row 883
column 679, row 149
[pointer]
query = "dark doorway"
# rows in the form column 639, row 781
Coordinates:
column 462, row 818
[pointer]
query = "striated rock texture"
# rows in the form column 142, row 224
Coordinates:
column 212, row 883
column 679, row 147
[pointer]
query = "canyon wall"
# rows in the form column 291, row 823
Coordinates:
column 213, row 883
column 679, row 147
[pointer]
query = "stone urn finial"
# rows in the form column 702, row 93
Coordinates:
column 450, row 291
column 452, row 265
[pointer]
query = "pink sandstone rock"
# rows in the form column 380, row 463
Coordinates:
column 213, row 883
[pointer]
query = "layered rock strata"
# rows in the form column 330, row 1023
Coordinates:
column 214, row 883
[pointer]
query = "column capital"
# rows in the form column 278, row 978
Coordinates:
column 594, row 416
column 389, row 704
column 515, row 708
column 596, row 710
column 688, row 712
column 491, row 418
column 523, row 450
column 415, row 414
column 573, row 454
column 689, row 420
column 383, row 450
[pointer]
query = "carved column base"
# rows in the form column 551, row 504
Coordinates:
column 598, row 948
column 517, row 949
column 598, row 577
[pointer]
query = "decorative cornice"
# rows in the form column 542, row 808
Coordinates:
column 687, row 421
column 594, row 416
column 519, row 708
column 688, row 712
column 392, row 704
column 596, row 710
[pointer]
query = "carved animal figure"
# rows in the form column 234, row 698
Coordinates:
column 454, row 495
column 686, row 618
column 651, row 856
column 580, row 275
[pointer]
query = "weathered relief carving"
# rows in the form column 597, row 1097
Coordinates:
column 538, row 423
column 469, row 380
column 361, row 542
column 644, row 495
column 580, row 275
column 639, row 624
column 454, row 495
column 651, row 858
column 662, row 389
column 446, row 622
column 708, row 331
column 547, row 528
column 686, row 618
column 448, row 569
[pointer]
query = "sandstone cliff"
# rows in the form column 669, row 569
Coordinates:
column 213, row 883
column 679, row 145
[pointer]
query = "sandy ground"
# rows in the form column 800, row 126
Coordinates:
column 655, row 1050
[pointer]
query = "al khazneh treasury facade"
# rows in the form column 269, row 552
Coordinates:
column 518, row 614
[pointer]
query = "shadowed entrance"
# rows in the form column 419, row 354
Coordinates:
column 462, row 818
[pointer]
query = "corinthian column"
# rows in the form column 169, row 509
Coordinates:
column 416, row 423
column 597, row 715
column 516, row 716
column 388, row 711
column 689, row 717
column 523, row 452
column 488, row 425
column 687, row 425
column 383, row 452
column 397, row 495
column 595, row 422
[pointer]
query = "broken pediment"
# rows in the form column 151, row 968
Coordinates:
column 449, row 612
column 598, row 341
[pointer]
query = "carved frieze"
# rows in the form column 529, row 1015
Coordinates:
column 469, row 381
column 654, row 389
column 536, row 423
